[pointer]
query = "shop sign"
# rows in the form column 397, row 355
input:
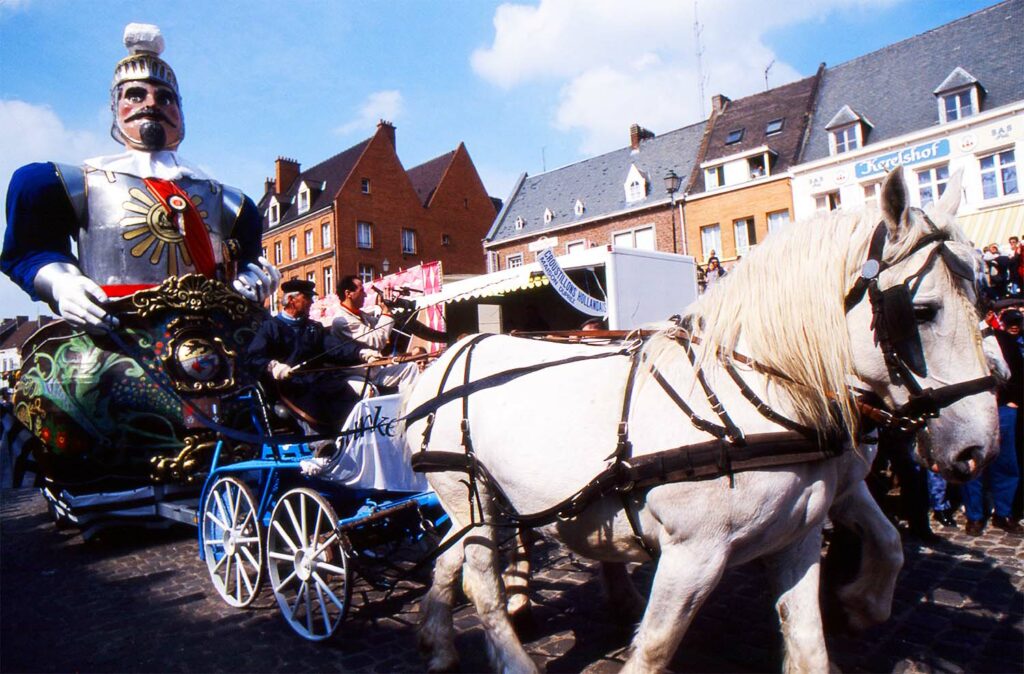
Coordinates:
column 569, row 291
column 906, row 157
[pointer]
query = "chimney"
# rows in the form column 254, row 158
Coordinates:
column 718, row 103
column 286, row 171
column 268, row 186
column 21, row 320
column 389, row 130
column 637, row 134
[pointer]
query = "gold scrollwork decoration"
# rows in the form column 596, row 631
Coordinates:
column 191, row 464
column 191, row 293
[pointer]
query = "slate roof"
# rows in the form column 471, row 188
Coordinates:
column 792, row 103
column 25, row 329
column 598, row 183
column 892, row 87
column 333, row 171
column 426, row 177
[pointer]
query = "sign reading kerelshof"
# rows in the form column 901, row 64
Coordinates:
column 569, row 291
column 911, row 155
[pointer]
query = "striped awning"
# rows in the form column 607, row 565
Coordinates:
column 993, row 226
column 488, row 285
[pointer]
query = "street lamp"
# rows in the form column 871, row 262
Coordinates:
column 672, row 186
column 385, row 265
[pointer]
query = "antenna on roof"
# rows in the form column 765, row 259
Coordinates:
column 543, row 160
column 701, row 79
column 769, row 67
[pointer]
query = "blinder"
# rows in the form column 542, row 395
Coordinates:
column 900, row 325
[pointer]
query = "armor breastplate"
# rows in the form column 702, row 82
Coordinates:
column 129, row 237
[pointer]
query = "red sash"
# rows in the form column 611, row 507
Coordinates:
column 197, row 238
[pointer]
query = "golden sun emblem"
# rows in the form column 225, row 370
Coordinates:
column 156, row 230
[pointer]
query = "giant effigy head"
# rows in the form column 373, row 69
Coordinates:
column 144, row 95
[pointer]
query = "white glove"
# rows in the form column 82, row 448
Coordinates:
column 279, row 371
column 369, row 355
column 74, row 296
column 258, row 282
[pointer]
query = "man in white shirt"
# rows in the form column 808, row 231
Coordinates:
column 372, row 329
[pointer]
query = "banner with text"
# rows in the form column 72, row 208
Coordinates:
column 569, row 291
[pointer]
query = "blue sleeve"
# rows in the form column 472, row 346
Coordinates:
column 40, row 224
column 248, row 231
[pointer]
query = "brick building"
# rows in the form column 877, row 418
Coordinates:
column 741, row 189
column 619, row 198
column 361, row 212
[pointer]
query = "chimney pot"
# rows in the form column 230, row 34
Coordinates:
column 718, row 103
column 388, row 129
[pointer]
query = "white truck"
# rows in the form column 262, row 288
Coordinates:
column 637, row 287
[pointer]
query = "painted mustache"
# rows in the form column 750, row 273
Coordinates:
column 151, row 113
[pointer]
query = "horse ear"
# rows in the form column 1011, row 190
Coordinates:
column 950, row 200
column 895, row 202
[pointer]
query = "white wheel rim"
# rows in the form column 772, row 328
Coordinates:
column 307, row 564
column 232, row 543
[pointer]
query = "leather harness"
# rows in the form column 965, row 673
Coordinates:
column 729, row 451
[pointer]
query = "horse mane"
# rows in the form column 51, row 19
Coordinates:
column 785, row 302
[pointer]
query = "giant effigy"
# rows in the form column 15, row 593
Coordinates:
column 159, row 296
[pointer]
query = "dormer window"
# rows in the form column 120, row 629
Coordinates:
column 578, row 208
column 548, row 216
column 519, row 223
column 958, row 96
column 773, row 127
column 304, row 198
column 847, row 131
column 735, row 136
column 636, row 185
column 274, row 213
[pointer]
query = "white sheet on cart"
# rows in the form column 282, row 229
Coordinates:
column 373, row 458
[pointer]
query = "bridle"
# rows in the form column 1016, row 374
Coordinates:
column 897, row 336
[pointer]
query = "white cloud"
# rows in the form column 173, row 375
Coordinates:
column 30, row 133
column 619, row 63
column 379, row 105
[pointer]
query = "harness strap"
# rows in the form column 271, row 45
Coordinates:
column 762, row 407
column 698, row 422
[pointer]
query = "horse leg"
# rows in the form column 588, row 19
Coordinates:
column 436, row 634
column 685, row 576
column 867, row 600
column 625, row 602
column 482, row 583
column 796, row 572
column 517, row 577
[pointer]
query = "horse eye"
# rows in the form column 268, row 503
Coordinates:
column 924, row 313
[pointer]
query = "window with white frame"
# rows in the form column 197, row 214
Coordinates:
column 956, row 105
column 773, row 127
column 303, row 199
column 931, row 183
column 745, row 235
column 846, row 138
column 364, row 235
column 366, row 273
column 274, row 213
column 778, row 221
column 311, row 277
column 309, row 241
column 575, row 246
column 264, row 253
column 493, row 263
column 277, row 252
column 293, row 247
column 513, row 260
column 325, row 234
column 641, row 238
column 408, row 241
column 714, row 176
column 998, row 174
column 519, row 223
column 578, row 208
column 827, row 201
column 548, row 216
column 364, row 185
column 328, row 280
column 710, row 241
column 872, row 192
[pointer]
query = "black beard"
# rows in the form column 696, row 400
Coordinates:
column 152, row 135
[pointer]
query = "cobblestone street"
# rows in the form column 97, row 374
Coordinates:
column 141, row 601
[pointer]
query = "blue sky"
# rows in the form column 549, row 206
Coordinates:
column 525, row 85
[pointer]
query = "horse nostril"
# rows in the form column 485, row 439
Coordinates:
column 967, row 462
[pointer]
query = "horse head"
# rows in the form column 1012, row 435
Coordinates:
column 914, row 332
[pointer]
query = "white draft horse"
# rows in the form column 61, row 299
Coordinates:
column 780, row 321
